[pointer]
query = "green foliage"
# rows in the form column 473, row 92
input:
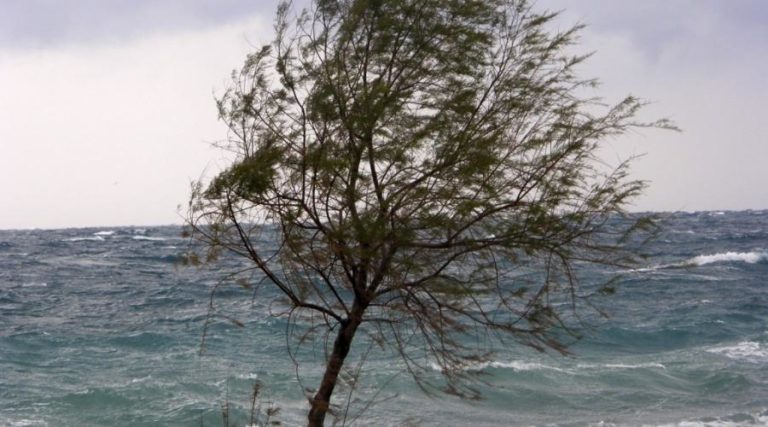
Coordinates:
column 413, row 156
column 248, row 178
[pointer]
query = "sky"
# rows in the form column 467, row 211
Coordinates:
column 107, row 106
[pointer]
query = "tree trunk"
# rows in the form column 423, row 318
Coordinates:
column 321, row 402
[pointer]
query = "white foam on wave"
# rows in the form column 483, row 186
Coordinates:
column 622, row 366
column 141, row 380
column 80, row 239
column 521, row 366
column 736, row 420
column 524, row 366
column 748, row 257
column 749, row 351
column 248, row 376
column 710, row 423
column 689, row 231
column 104, row 233
column 24, row 422
column 700, row 260
column 158, row 239
column 34, row 285
column 515, row 365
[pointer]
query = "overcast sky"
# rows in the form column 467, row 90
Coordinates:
column 107, row 112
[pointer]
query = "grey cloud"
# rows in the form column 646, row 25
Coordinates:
column 703, row 64
column 653, row 24
column 28, row 24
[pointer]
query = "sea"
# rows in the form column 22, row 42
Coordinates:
column 106, row 327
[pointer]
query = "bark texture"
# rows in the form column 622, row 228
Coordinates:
column 321, row 402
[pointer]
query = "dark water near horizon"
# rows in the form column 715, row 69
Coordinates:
column 102, row 327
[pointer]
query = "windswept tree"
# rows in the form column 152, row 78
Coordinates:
column 407, row 156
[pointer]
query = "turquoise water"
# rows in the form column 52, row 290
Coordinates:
column 102, row 327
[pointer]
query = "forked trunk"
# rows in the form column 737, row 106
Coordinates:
column 322, row 400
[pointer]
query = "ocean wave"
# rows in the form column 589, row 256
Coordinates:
column 141, row 379
column 735, row 420
column 24, row 422
column 516, row 365
column 701, row 260
column 248, row 376
column 104, row 233
column 623, row 366
column 157, row 239
column 749, row 351
column 523, row 366
column 748, row 257
column 89, row 238
column 34, row 285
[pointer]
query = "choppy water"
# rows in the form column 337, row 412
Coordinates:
column 101, row 327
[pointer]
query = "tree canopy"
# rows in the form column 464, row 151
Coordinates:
column 406, row 157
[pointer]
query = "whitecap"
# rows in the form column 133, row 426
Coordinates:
column 27, row 423
column 749, row 351
column 654, row 268
column 141, row 380
column 34, row 285
column 158, row 239
column 515, row 365
column 104, row 233
column 622, row 366
column 654, row 365
column 521, row 366
column 80, row 239
column 688, row 231
column 748, row 257
column 700, row 260
column 735, row 420
column 249, row 376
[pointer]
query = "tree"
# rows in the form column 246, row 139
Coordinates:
column 406, row 156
